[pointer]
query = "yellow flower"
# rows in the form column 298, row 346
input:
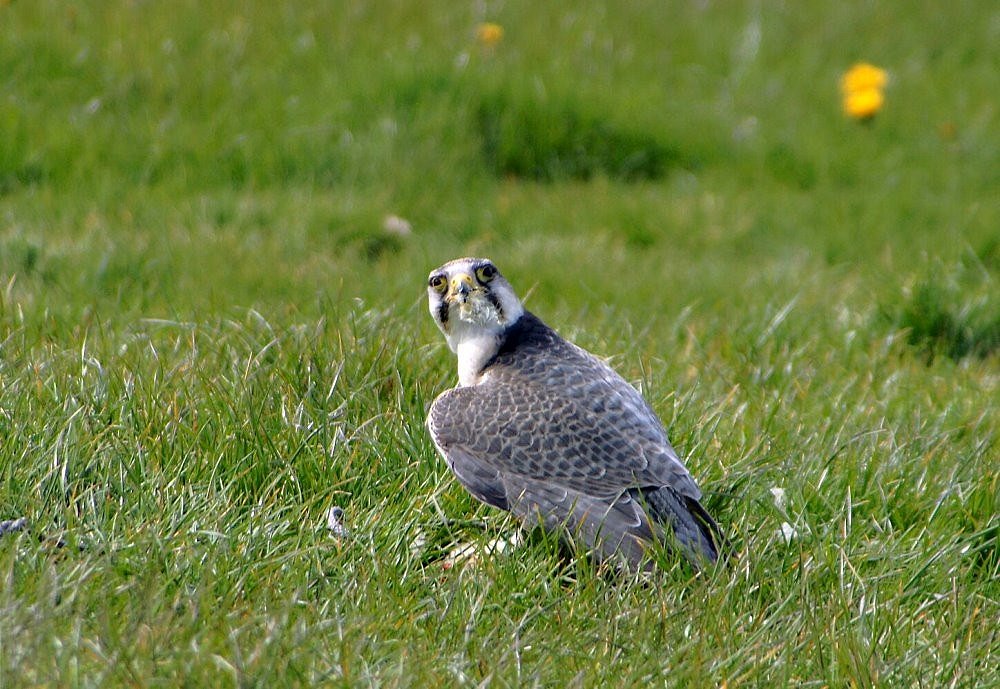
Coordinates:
column 489, row 34
column 864, row 103
column 862, row 87
column 862, row 77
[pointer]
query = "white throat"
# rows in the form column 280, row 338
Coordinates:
column 475, row 341
column 474, row 350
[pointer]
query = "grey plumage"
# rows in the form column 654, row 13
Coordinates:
column 553, row 434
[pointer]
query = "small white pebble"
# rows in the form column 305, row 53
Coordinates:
column 779, row 497
column 788, row 533
column 418, row 543
column 393, row 224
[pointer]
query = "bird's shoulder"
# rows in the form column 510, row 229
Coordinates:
column 531, row 370
column 531, row 351
column 535, row 357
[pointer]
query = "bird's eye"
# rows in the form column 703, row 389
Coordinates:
column 438, row 283
column 486, row 272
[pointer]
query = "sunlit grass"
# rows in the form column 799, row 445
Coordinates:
column 208, row 337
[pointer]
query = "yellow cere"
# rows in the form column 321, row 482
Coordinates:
column 460, row 278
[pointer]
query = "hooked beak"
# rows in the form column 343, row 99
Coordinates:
column 460, row 288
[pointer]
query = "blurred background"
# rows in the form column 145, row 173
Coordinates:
column 169, row 159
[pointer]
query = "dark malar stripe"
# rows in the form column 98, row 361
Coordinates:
column 495, row 300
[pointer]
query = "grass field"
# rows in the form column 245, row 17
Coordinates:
column 208, row 337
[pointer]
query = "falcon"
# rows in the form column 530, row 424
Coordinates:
column 544, row 429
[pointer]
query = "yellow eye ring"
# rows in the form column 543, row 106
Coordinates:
column 486, row 272
column 438, row 283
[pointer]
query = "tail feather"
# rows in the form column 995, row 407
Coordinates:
column 696, row 532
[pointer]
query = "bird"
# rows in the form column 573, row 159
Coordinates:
column 542, row 428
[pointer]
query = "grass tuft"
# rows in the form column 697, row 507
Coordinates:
column 549, row 139
column 941, row 320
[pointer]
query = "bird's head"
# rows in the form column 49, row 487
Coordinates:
column 468, row 297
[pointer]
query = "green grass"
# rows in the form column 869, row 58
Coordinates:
column 207, row 337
